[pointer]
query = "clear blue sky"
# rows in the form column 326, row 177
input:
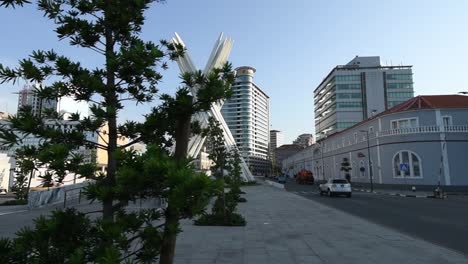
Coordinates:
column 292, row 44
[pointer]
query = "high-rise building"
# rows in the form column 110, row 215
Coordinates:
column 276, row 140
column 28, row 97
column 304, row 140
column 358, row 90
column 247, row 114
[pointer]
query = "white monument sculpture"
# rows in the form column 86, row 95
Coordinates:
column 218, row 58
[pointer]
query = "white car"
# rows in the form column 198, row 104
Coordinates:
column 3, row 192
column 335, row 187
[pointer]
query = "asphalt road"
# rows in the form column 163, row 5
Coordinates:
column 442, row 222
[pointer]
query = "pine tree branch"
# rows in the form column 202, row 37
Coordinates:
column 96, row 49
column 93, row 212
column 138, row 139
column 100, row 146
column 100, row 136
column 127, row 99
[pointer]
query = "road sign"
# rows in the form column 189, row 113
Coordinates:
column 404, row 166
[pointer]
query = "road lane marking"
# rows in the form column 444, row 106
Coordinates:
column 13, row 212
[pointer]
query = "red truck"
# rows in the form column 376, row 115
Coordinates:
column 304, row 177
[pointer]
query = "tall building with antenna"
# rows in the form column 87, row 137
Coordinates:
column 358, row 90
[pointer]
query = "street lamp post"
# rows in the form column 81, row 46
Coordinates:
column 369, row 160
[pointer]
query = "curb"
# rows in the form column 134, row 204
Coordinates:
column 275, row 184
column 396, row 194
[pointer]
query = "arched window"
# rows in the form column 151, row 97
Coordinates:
column 407, row 164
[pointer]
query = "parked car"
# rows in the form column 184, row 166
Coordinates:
column 335, row 187
column 3, row 192
column 305, row 177
column 282, row 179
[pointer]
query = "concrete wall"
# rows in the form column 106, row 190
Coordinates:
column 375, row 92
column 55, row 196
column 6, row 163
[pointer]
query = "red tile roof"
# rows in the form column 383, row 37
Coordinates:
column 418, row 103
column 430, row 102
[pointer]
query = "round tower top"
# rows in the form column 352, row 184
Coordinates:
column 245, row 70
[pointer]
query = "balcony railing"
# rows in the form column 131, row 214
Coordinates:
column 456, row 128
column 422, row 129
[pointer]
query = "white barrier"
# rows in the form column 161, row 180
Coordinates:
column 275, row 184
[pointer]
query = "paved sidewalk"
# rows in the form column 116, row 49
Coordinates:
column 285, row 228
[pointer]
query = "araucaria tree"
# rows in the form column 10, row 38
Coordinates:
column 224, row 208
column 129, row 72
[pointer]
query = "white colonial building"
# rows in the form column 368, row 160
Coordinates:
column 421, row 142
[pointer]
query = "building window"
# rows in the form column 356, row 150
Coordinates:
column 345, row 124
column 348, row 95
column 447, row 121
column 407, row 164
column 349, row 104
column 400, row 94
column 399, row 85
column 348, row 78
column 404, row 123
column 349, row 86
column 399, row 77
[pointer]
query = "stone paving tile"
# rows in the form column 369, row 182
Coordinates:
column 286, row 228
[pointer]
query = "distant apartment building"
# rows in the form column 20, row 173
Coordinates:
column 90, row 155
column 276, row 140
column 28, row 97
column 304, row 140
column 285, row 151
column 8, row 160
column 359, row 90
column 247, row 116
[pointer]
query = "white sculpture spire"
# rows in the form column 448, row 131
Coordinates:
column 218, row 57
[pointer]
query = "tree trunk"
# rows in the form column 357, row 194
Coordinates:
column 111, row 110
column 222, row 189
column 169, row 237
column 182, row 137
column 29, row 184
